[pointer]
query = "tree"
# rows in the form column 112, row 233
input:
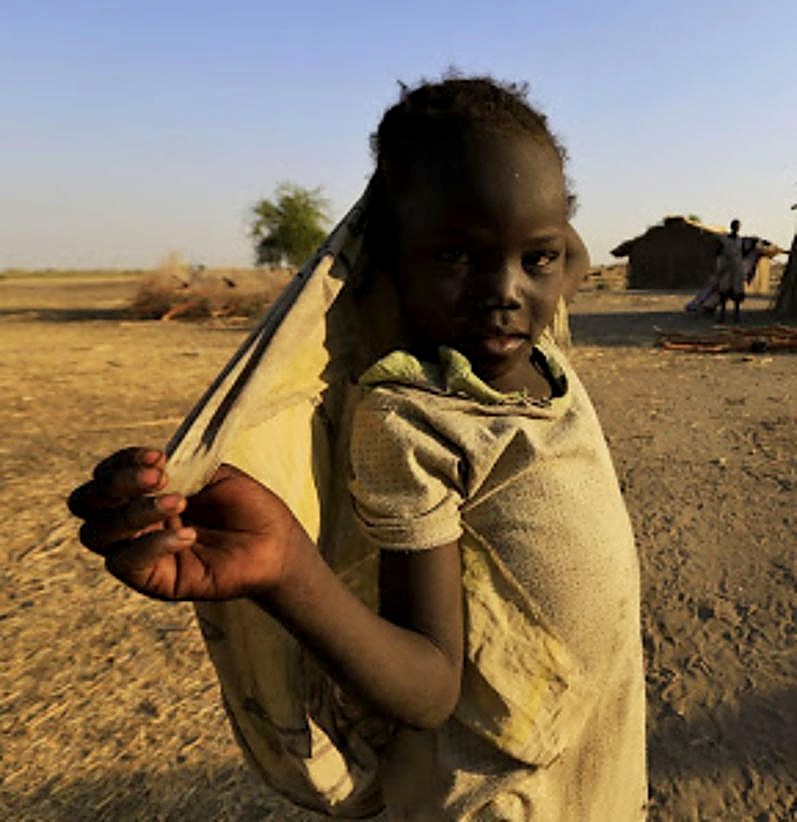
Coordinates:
column 288, row 228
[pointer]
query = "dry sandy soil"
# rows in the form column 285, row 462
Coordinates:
column 108, row 706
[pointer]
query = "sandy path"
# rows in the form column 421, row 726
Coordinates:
column 108, row 706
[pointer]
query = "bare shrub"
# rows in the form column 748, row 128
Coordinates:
column 607, row 277
column 175, row 289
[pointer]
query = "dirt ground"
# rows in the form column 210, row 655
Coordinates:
column 108, row 706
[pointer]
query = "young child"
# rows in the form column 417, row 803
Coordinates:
column 505, row 654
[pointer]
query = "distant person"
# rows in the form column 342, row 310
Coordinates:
column 504, row 664
column 731, row 271
column 735, row 267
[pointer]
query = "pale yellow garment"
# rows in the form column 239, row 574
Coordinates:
column 731, row 266
column 281, row 410
column 550, row 720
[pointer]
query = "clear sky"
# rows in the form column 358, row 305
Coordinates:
column 132, row 128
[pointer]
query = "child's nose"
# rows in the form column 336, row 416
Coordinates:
column 502, row 287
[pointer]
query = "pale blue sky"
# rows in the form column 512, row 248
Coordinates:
column 133, row 128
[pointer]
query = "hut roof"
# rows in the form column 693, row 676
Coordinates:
column 767, row 248
column 624, row 249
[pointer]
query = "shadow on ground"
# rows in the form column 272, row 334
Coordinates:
column 677, row 749
column 187, row 794
column 638, row 328
column 66, row 315
column 709, row 744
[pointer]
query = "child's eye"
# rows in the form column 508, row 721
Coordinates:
column 455, row 257
column 534, row 261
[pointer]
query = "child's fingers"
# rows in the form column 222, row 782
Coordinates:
column 130, row 481
column 109, row 490
column 103, row 530
column 131, row 472
column 85, row 500
column 131, row 457
column 138, row 564
column 91, row 498
column 128, row 473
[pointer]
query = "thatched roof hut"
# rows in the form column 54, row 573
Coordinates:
column 681, row 253
column 677, row 253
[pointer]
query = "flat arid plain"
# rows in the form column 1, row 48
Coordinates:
column 109, row 709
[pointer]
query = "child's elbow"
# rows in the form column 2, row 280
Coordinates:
column 437, row 704
column 436, row 717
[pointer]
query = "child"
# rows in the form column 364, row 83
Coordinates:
column 504, row 661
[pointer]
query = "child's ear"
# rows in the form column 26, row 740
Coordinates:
column 576, row 262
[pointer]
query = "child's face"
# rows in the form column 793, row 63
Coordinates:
column 481, row 249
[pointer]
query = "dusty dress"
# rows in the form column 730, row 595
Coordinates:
column 550, row 721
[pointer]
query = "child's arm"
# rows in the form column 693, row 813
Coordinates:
column 242, row 541
column 406, row 661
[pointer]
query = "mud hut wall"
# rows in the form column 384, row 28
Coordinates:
column 674, row 256
column 762, row 280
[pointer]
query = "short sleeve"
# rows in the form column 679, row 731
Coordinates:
column 405, row 483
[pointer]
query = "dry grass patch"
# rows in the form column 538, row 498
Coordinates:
column 175, row 289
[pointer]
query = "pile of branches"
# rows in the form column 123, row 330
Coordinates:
column 167, row 294
column 721, row 341
column 608, row 277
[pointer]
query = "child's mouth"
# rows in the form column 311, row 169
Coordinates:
column 501, row 344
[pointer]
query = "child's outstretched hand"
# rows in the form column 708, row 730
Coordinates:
column 231, row 539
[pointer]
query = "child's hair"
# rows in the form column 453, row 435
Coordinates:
column 433, row 110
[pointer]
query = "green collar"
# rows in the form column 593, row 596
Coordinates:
column 453, row 374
